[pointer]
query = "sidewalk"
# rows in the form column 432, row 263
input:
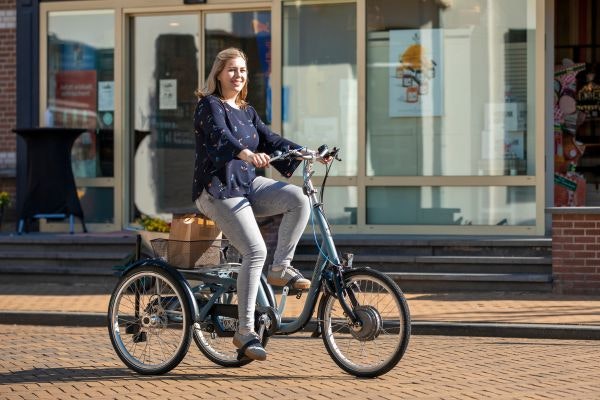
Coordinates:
column 508, row 314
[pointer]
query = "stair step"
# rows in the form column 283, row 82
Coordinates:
column 62, row 255
column 48, row 269
column 539, row 278
column 377, row 258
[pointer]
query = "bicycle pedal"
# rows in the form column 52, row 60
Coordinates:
column 241, row 356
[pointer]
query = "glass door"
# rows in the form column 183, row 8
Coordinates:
column 168, row 57
column 80, row 94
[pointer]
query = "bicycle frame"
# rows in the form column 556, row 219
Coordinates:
column 327, row 247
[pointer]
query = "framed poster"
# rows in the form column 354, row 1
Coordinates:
column 167, row 94
column 416, row 73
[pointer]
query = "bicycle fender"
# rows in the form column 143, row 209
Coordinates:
column 176, row 275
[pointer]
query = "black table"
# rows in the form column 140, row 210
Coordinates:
column 51, row 190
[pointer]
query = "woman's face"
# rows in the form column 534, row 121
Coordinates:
column 233, row 77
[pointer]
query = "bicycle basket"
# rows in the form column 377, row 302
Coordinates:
column 192, row 254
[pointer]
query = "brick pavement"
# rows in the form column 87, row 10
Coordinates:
column 76, row 363
column 505, row 307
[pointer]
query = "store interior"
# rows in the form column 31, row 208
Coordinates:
column 577, row 103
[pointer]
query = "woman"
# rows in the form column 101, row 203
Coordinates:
column 231, row 141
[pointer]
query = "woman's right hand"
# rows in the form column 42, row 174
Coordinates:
column 259, row 160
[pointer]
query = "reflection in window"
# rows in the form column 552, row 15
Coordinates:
column 448, row 205
column 449, row 87
column 340, row 204
column 319, row 78
column 165, row 76
column 250, row 32
column 97, row 204
column 81, row 86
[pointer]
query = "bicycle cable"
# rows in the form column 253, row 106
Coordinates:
column 312, row 220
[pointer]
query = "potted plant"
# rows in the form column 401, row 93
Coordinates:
column 4, row 202
column 152, row 228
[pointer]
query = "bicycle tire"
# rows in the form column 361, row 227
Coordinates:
column 217, row 348
column 149, row 306
column 377, row 346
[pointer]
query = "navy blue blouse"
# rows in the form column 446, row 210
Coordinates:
column 221, row 133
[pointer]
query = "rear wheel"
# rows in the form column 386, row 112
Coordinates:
column 375, row 345
column 214, row 336
column 149, row 321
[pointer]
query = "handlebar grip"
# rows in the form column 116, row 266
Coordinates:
column 323, row 150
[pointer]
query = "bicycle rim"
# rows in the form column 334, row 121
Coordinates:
column 378, row 345
column 149, row 321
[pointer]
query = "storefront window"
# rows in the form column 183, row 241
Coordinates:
column 319, row 78
column 166, row 69
column 81, row 86
column 251, row 32
column 450, row 87
column 340, row 204
column 165, row 76
column 447, row 205
column 80, row 94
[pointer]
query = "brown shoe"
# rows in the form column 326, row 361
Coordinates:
column 288, row 276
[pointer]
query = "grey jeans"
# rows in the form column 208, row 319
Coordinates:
column 236, row 218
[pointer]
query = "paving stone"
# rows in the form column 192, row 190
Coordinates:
column 433, row 367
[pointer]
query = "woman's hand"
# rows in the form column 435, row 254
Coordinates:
column 326, row 160
column 259, row 160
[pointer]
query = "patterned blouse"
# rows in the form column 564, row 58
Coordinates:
column 221, row 133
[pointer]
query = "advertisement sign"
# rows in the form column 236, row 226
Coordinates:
column 416, row 73
column 167, row 94
column 75, row 102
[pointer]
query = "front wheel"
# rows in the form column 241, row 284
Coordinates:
column 375, row 345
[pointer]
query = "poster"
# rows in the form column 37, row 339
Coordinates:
column 106, row 95
column 167, row 91
column 416, row 73
column 75, row 103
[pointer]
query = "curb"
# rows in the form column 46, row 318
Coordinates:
column 473, row 329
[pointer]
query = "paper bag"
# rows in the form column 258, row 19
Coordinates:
column 194, row 241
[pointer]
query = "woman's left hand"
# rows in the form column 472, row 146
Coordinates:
column 326, row 160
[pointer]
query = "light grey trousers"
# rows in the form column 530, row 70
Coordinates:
column 236, row 218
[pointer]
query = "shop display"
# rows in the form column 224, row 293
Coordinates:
column 569, row 185
column 588, row 97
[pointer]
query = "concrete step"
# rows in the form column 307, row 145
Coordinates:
column 419, row 283
column 67, row 243
column 59, row 261
column 417, row 263
column 420, row 245
column 438, row 264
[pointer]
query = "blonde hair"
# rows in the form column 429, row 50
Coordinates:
column 212, row 86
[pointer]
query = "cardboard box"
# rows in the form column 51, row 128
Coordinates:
column 194, row 241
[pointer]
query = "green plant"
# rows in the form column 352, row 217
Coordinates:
column 4, row 199
column 154, row 224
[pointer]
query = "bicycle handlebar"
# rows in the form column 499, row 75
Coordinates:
column 306, row 154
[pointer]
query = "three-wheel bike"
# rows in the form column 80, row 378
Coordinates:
column 157, row 308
